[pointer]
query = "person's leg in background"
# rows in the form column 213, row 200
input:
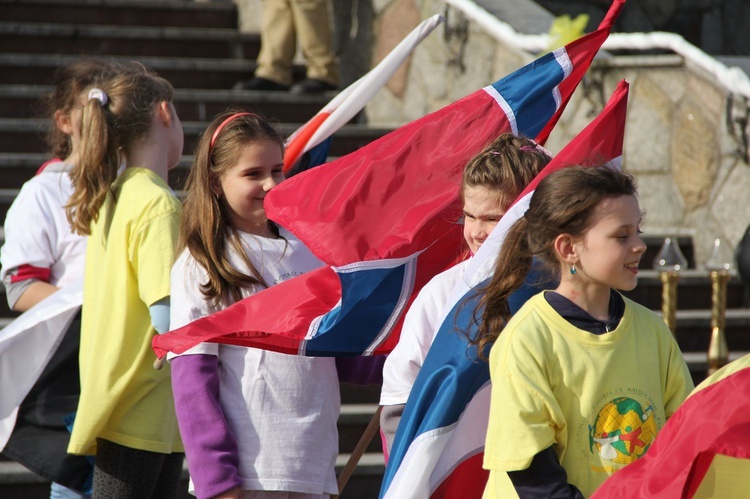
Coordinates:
column 312, row 21
column 278, row 44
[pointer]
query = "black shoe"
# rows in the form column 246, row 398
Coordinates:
column 310, row 86
column 257, row 83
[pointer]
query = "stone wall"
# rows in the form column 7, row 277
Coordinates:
column 692, row 179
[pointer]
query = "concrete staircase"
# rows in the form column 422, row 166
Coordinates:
column 197, row 47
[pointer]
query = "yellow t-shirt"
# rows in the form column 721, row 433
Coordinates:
column 598, row 399
column 128, row 260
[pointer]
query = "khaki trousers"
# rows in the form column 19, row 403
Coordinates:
column 285, row 22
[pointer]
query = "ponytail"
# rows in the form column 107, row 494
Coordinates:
column 513, row 263
column 118, row 113
column 96, row 168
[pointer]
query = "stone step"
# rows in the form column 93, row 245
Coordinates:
column 182, row 72
column 131, row 41
column 220, row 15
column 18, row 135
column 17, row 168
column 23, row 101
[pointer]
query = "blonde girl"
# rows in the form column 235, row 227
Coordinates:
column 255, row 423
column 126, row 412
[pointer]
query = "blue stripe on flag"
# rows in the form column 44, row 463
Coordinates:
column 374, row 295
column 529, row 93
column 312, row 158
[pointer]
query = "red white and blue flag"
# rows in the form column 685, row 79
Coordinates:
column 384, row 218
column 314, row 137
column 438, row 448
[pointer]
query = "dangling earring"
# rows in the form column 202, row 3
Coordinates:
column 573, row 269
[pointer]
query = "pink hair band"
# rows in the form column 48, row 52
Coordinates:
column 222, row 125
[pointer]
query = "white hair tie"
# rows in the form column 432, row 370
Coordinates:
column 98, row 94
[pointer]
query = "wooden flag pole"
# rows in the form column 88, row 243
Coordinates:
column 359, row 450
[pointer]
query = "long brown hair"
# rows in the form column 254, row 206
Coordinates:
column 108, row 129
column 562, row 203
column 204, row 227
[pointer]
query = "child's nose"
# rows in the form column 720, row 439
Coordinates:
column 269, row 183
column 480, row 231
column 640, row 246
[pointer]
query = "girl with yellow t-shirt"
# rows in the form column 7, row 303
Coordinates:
column 582, row 377
column 126, row 414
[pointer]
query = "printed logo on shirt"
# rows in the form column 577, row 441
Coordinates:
column 622, row 431
column 287, row 275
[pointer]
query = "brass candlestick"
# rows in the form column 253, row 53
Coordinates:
column 718, row 351
column 669, row 262
column 721, row 267
column 669, row 280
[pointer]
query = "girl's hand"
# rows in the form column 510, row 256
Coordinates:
column 235, row 493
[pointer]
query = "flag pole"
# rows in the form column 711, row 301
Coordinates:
column 359, row 450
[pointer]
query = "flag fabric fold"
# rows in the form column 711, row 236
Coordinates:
column 385, row 217
column 314, row 136
column 439, row 444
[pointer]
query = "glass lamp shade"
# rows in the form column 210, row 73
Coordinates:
column 721, row 258
column 670, row 257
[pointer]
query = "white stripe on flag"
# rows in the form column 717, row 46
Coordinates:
column 469, row 435
column 504, row 106
column 563, row 59
column 433, row 455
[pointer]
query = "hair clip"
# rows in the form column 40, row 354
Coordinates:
column 98, row 94
column 536, row 147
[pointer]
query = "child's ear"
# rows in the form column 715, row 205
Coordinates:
column 165, row 113
column 215, row 185
column 565, row 248
column 63, row 122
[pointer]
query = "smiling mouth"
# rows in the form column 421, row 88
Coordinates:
column 633, row 267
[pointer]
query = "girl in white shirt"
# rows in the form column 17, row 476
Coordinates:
column 491, row 182
column 41, row 255
column 254, row 423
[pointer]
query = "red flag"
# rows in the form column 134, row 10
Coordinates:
column 385, row 218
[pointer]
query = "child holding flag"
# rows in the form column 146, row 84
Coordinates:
column 126, row 411
column 582, row 377
column 256, row 423
column 490, row 183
